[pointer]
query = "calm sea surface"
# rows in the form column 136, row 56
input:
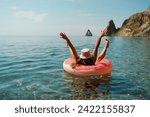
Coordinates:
column 31, row 68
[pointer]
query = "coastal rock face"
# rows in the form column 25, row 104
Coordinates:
column 136, row 25
column 111, row 28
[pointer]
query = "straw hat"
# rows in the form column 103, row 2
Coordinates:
column 85, row 53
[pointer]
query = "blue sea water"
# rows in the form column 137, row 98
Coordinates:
column 31, row 68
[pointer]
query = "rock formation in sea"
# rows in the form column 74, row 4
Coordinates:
column 88, row 33
column 111, row 28
column 136, row 25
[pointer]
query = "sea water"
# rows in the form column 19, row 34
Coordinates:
column 31, row 68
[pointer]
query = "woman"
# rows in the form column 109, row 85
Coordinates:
column 86, row 58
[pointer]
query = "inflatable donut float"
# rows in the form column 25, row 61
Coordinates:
column 103, row 67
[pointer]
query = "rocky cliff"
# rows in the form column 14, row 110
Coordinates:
column 111, row 28
column 136, row 25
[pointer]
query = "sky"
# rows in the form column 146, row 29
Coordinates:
column 50, row 17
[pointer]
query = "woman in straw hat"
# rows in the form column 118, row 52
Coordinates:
column 86, row 58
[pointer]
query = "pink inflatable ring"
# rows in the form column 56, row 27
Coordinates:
column 102, row 68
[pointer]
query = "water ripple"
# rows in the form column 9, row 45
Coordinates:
column 31, row 68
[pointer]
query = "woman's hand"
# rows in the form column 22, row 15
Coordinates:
column 63, row 35
column 104, row 32
column 106, row 43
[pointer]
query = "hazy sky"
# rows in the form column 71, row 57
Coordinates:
column 49, row 17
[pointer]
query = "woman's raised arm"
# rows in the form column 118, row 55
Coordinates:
column 95, row 51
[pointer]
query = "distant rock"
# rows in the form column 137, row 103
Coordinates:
column 111, row 28
column 136, row 25
column 88, row 33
